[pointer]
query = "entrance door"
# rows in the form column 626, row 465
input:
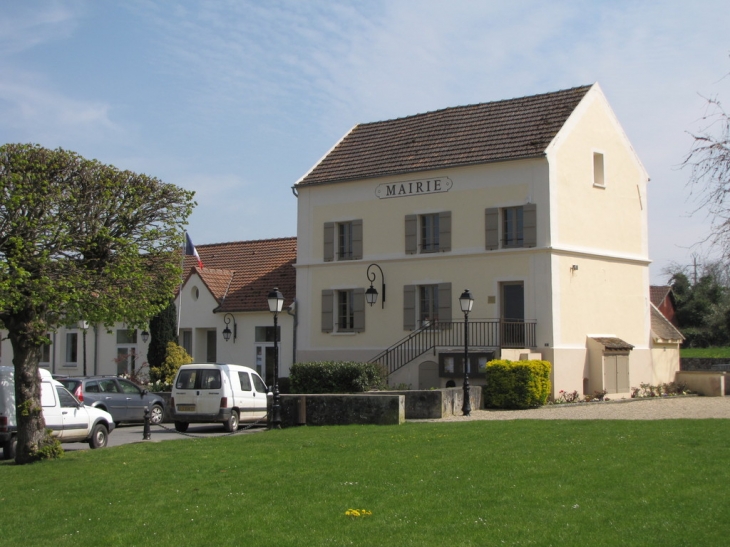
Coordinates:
column 513, row 315
column 211, row 353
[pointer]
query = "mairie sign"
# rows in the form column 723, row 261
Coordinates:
column 413, row 187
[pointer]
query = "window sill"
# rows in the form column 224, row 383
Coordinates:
column 601, row 186
column 343, row 333
column 70, row 365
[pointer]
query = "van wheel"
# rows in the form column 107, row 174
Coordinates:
column 9, row 449
column 99, row 436
column 156, row 415
column 232, row 423
column 182, row 427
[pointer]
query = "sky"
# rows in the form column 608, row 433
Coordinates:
column 238, row 99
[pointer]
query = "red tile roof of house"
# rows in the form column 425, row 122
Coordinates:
column 240, row 274
column 463, row 135
column 657, row 293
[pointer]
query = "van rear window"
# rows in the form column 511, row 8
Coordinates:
column 196, row 378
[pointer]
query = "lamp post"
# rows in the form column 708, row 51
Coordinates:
column 371, row 295
column 466, row 301
column 227, row 331
column 276, row 302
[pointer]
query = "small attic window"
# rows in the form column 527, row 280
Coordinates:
column 598, row 171
column 194, row 293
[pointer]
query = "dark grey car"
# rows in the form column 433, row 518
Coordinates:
column 124, row 400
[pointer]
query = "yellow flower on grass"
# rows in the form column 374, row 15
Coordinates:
column 358, row 513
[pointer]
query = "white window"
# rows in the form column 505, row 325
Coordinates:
column 72, row 349
column 598, row 170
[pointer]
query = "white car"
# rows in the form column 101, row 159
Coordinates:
column 68, row 419
column 228, row 394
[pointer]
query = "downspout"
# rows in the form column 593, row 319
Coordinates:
column 53, row 354
column 294, row 337
column 96, row 348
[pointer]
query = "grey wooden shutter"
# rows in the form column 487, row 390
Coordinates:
column 357, row 239
column 409, row 307
column 445, row 231
column 529, row 225
column 622, row 374
column 329, row 241
column 445, row 302
column 491, row 222
column 411, row 234
column 358, row 309
column 327, row 310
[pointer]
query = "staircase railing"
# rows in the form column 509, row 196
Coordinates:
column 482, row 334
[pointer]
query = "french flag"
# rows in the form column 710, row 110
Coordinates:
column 190, row 249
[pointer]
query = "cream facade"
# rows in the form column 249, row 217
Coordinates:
column 553, row 248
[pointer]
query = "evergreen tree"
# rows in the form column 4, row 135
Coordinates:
column 163, row 327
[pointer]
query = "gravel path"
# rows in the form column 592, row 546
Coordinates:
column 668, row 408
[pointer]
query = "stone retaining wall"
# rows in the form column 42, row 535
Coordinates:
column 700, row 363
column 342, row 409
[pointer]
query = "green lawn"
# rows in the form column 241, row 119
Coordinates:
column 719, row 353
column 526, row 482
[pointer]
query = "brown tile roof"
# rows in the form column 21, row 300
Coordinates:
column 462, row 135
column 661, row 328
column 240, row 274
column 610, row 342
column 657, row 293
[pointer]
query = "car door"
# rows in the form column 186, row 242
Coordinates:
column 136, row 401
column 113, row 399
column 209, row 395
column 74, row 416
column 245, row 396
column 51, row 409
column 260, row 398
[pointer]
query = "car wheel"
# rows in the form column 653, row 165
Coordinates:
column 232, row 423
column 99, row 436
column 9, row 449
column 182, row 427
column 156, row 415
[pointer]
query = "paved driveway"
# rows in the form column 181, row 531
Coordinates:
column 656, row 408
column 126, row 434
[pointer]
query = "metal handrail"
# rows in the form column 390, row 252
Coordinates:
column 483, row 334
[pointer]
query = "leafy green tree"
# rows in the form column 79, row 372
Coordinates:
column 78, row 240
column 703, row 308
column 163, row 328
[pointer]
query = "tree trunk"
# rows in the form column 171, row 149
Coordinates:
column 29, row 415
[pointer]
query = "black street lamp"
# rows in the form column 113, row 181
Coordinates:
column 227, row 331
column 371, row 295
column 145, row 336
column 276, row 302
column 466, row 301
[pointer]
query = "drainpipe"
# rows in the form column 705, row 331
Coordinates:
column 296, row 324
column 53, row 354
column 96, row 348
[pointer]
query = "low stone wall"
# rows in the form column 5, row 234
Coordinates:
column 432, row 404
column 343, row 409
column 700, row 363
column 712, row 384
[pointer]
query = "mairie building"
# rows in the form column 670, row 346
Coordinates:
column 536, row 205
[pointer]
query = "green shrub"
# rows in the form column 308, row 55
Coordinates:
column 335, row 377
column 517, row 384
column 163, row 376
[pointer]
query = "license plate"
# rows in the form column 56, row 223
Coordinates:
column 186, row 408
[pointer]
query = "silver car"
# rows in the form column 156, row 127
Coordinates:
column 124, row 400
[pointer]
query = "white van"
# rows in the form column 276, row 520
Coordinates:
column 230, row 394
column 69, row 419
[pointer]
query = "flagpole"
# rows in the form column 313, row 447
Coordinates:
column 182, row 265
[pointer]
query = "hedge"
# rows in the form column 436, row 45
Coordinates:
column 335, row 377
column 517, row 384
